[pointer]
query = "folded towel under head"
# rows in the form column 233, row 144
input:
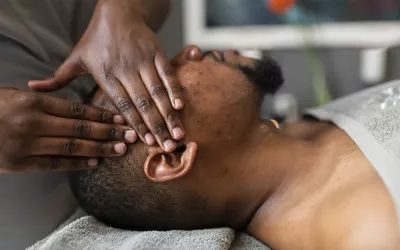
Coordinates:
column 85, row 232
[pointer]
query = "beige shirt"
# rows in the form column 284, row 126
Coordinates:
column 36, row 36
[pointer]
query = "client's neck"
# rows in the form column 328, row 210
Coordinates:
column 274, row 167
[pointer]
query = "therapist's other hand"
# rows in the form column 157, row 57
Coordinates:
column 126, row 59
column 34, row 124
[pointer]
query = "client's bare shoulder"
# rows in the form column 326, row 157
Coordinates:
column 348, row 206
column 359, row 218
column 359, row 213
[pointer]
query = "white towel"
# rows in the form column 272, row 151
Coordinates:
column 88, row 233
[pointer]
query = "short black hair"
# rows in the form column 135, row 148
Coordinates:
column 119, row 193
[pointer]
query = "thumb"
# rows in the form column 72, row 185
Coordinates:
column 70, row 69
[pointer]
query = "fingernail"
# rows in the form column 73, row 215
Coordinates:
column 178, row 103
column 169, row 145
column 118, row 119
column 177, row 133
column 149, row 138
column 120, row 148
column 130, row 136
column 93, row 162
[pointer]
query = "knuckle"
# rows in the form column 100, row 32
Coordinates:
column 107, row 72
column 112, row 133
column 172, row 116
column 139, row 56
column 123, row 104
column 174, row 90
column 126, row 63
column 106, row 117
column 70, row 146
column 157, row 90
column 19, row 119
column 28, row 100
column 144, row 104
column 159, row 129
column 77, row 110
column 138, row 125
column 82, row 128
column 168, row 71
column 23, row 122
column 101, row 148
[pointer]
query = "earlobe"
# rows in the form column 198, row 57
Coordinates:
column 161, row 166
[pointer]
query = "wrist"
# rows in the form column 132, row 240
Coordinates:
column 129, row 8
column 151, row 12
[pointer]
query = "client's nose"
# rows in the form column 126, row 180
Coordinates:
column 190, row 53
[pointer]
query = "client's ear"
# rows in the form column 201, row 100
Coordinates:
column 161, row 166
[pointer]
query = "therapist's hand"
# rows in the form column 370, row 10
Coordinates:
column 126, row 59
column 33, row 124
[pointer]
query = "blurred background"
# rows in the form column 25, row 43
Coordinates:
column 314, row 72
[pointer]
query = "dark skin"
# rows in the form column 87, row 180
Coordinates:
column 120, row 50
column 304, row 186
column 34, row 125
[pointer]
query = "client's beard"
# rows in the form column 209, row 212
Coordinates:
column 266, row 75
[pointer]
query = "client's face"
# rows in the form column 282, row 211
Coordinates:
column 152, row 189
column 222, row 92
column 220, row 101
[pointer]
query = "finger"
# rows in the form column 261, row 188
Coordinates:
column 151, row 116
column 62, row 127
column 67, row 109
column 123, row 103
column 168, row 77
column 160, row 97
column 71, row 68
column 76, row 147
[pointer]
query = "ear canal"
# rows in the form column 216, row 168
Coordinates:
column 163, row 166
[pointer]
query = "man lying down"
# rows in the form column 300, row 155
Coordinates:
column 308, row 185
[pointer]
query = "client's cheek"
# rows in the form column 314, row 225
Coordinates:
column 193, row 83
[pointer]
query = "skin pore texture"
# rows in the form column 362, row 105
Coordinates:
column 304, row 186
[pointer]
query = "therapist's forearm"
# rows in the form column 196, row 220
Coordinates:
column 155, row 12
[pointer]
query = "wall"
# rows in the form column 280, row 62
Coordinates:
column 342, row 71
column 171, row 33
column 342, row 64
